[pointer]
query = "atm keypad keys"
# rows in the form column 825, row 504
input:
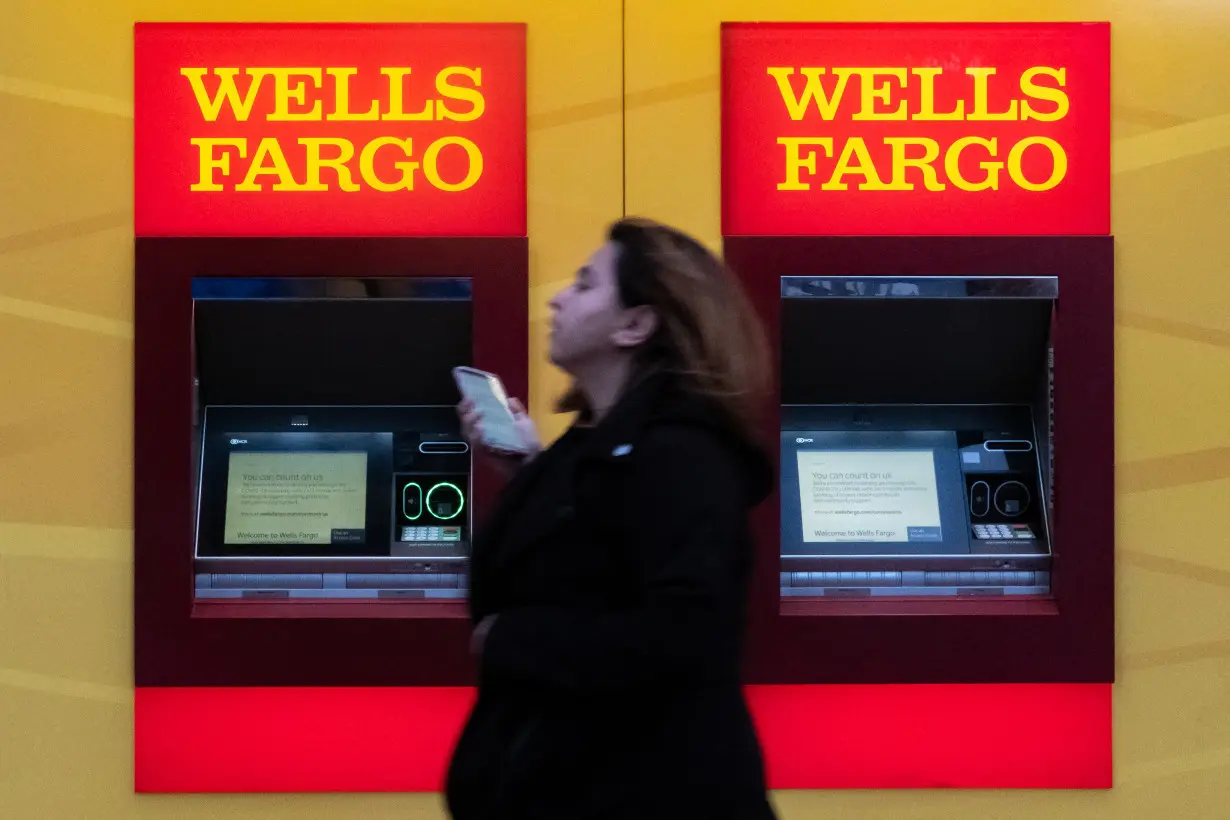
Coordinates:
column 998, row 532
column 431, row 534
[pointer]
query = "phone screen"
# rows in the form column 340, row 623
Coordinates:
column 487, row 394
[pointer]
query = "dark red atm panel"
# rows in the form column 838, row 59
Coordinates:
column 183, row 641
column 1066, row 636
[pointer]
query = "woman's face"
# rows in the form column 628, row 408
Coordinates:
column 588, row 323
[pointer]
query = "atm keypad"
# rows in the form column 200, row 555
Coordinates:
column 984, row 532
column 430, row 534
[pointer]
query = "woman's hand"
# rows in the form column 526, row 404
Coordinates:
column 479, row 636
column 506, row 461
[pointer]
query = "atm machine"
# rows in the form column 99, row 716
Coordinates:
column 303, row 500
column 931, row 477
column 940, row 543
column 944, row 423
column 330, row 461
column 304, row 497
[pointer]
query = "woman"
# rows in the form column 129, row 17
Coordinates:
column 610, row 583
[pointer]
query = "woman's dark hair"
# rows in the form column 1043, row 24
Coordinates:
column 708, row 333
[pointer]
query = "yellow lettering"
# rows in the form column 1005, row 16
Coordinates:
column 1059, row 168
column 209, row 162
column 227, row 92
column 981, row 74
column 315, row 163
column 812, row 90
column 474, row 158
column 341, row 98
column 397, row 111
column 367, row 165
column 926, row 98
column 285, row 91
column 1044, row 93
column 856, row 159
column 459, row 92
column 952, row 164
column 855, row 148
column 871, row 93
column 931, row 152
column 270, row 149
column 795, row 161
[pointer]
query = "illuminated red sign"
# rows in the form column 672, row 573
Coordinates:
column 307, row 739
column 303, row 130
column 915, row 129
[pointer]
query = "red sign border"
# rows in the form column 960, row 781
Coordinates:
column 517, row 226
column 399, row 739
column 730, row 226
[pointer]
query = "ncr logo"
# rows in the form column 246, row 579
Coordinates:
column 796, row 441
column 236, row 441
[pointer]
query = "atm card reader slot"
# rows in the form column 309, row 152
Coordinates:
column 438, row 448
column 1008, row 446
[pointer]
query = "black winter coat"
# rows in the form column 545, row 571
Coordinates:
column 618, row 564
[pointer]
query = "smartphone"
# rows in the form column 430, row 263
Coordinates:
column 486, row 392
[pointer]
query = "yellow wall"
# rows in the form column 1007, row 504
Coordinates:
column 66, row 354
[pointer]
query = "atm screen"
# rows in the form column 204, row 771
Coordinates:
column 911, row 500
column 882, row 496
column 302, row 497
column 356, row 482
column 864, row 493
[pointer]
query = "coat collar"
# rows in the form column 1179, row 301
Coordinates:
column 657, row 398
column 610, row 441
column 614, row 437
